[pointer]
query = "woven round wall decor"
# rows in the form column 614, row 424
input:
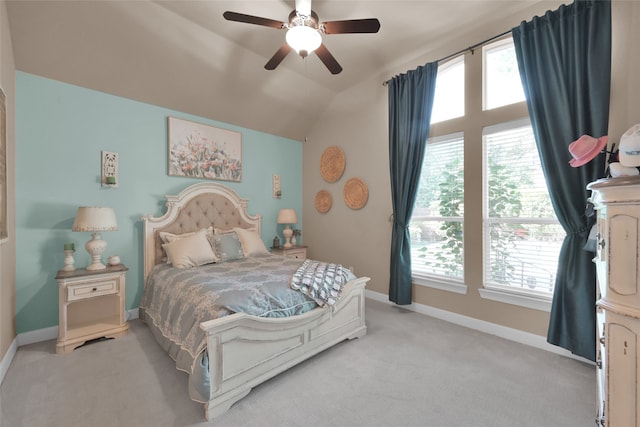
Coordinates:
column 332, row 163
column 323, row 201
column 355, row 193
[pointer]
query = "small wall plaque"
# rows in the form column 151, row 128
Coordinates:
column 110, row 176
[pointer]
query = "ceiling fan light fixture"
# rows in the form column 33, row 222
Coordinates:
column 303, row 39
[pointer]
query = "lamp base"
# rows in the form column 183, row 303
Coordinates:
column 96, row 266
column 287, row 233
column 96, row 247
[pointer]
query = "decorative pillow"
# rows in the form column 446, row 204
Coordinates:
column 170, row 237
column 251, row 241
column 227, row 246
column 233, row 230
column 190, row 251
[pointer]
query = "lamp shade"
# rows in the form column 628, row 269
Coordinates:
column 287, row 216
column 93, row 218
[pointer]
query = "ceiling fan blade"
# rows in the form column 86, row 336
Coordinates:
column 277, row 58
column 303, row 7
column 328, row 60
column 250, row 19
column 352, row 26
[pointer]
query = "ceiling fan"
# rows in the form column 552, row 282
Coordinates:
column 304, row 33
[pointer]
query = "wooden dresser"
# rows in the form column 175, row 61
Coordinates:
column 617, row 202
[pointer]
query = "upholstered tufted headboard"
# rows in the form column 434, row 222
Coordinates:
column 197, row 206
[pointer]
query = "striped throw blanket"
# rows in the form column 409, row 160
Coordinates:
column 320, row 281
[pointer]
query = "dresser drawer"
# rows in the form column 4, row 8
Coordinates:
column 92, row 289
column 622, row 373
column 623, row 266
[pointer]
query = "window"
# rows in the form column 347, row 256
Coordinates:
column 502, row 84
column 522, row 237
column 449, row 97
column 436, row 224
column 482, row 215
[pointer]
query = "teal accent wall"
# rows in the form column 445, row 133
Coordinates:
column 61, row 130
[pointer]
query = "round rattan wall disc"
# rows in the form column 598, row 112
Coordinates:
column 355, row 193
column 323, row 201
column 332, row 163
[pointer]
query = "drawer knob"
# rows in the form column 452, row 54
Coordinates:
column 94, row 289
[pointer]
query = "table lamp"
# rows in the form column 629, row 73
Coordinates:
column 95, row 219
column 288, row 217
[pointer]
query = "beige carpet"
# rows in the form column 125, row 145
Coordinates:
column 410, row 370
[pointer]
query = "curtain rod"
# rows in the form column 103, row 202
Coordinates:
column 470, row 48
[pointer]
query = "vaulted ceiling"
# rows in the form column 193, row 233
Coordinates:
column 185, row 56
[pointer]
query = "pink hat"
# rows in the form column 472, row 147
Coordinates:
column 585, row 149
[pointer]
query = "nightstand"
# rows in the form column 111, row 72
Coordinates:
column 91, row 304
column 293, row 252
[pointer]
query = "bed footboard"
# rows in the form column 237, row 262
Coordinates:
column 245, row 350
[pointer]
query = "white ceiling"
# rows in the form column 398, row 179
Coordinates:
column 185, row 56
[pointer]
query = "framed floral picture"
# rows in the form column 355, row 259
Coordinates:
column 202, row 151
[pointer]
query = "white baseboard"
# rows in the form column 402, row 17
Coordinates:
column 51, row 333
column 38, row 335
column 8, row 357
column 511, row 334
column 132, row 314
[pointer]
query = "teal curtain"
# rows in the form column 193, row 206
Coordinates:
column 564, row 59
column 410, row 104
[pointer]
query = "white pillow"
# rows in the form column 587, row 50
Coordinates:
column 190, row 251
column 251, row 242
column 170, row 237
column 233, row 230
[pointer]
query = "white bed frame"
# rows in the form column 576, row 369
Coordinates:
column 245, row 350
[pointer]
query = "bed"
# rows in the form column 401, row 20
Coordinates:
column 240, row 350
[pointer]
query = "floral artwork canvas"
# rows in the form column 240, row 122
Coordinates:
column 202, row 151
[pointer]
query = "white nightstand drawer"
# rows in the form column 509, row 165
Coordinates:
column 90, row 290
column 297, row 253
